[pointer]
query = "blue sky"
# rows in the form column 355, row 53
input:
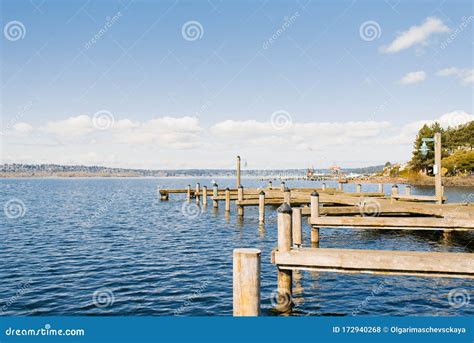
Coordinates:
column 173, row 101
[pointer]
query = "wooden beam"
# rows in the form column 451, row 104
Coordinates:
column 437, row 264
column 394, row 222
column 421, row 198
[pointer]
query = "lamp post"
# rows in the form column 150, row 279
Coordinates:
column 437, row 164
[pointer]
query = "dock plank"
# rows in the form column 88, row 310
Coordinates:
column 378, row 261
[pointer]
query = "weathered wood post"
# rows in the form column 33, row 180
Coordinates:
column 359, row 188
column 284, row 245
column 394, row 192
column 287, row 195
column 204, row 195
column 447, row 236
column 246, row 282
column 227, row 199
column 240, row 197
column 215, row 192
column 188, row 189
column 380, row 188
column 270, row 184
column 282, row 186
column 323, row 186
column 314, row 214
column 238, row 172
column 163, row 196
column 340, row 186
column 437, row 169
column 297, row 227
column 197, row 193
column 408, row 190
column 261, row 207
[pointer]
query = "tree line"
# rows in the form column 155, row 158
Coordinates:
column 456, row 149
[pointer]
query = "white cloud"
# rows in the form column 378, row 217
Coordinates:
column 465, row 75
column 177, row 133
column 71, row 127
column 23, row 128
column 407, row 133
column 413, row 77
column 164, row 142
column 455, row 118
column 416, row 35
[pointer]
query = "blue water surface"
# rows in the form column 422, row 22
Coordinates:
column 109, row 246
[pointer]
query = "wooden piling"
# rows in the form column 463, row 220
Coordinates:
column 215, row 192
column 261, row 207
column 314, row 236
column 204, row 195
column 197, row 193
column 270, row 184
column 238, row 171
column 188, row 189
column 323, row 186
column 282, row 186
column 297, row 227
column 359, row 188
column 246, row 282
column 438, row 181
column 227, row 199
column 340, row 186
column 394, row 192
column 287, row 195
column 314, row 214
column 381, row 188
column 284, row 245
column 314, row 204
column 240, row 197
column 408, row 190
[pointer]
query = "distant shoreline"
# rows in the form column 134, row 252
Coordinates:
column 452, row 181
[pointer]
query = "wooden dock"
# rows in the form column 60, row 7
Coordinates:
column 329, row 208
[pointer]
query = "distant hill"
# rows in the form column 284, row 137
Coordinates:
column 45, row 170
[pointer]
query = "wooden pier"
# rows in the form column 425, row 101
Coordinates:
column 328, row 208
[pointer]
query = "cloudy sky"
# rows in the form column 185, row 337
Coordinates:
column 188, row 84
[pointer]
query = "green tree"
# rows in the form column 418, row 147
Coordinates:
column 418, row 161
column 454, row 139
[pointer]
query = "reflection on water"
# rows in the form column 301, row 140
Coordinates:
column 111, row 247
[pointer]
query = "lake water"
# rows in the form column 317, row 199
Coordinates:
column 111, row 247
